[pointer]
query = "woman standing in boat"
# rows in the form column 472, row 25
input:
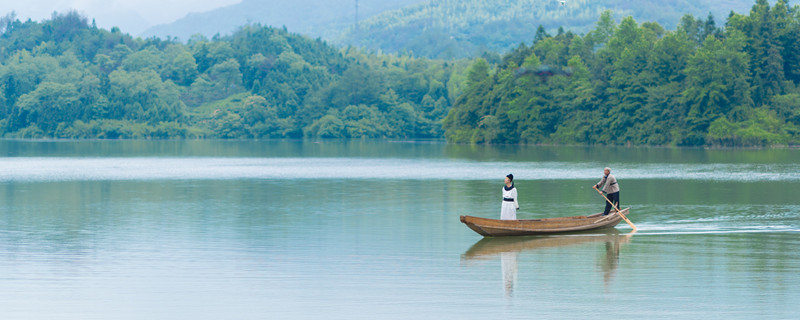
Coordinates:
column 510, row 205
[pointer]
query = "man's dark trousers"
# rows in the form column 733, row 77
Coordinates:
column 613, row 197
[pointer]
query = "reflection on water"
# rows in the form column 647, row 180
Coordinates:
column 508, row 250
column 508, row 264
column 611, row 262
column 294, row 230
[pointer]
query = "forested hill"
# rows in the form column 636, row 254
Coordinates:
column 638, row 84
column 628, row 83
column 468, row 28
column 65, row 78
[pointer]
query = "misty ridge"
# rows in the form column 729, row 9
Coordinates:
column 445, row 29
column 315, row 18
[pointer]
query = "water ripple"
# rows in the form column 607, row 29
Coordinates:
column 69, row 169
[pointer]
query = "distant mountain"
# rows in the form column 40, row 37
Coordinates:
column 438, row 28
column 317, row 18
column 461, row 28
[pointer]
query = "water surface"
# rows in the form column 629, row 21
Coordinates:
column 369, row 229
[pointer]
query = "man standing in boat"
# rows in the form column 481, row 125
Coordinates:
column 610, row 187
column 510, row 204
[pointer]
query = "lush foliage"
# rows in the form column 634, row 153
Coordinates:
column 468, row 28
column 66, row 78
column 637, row 84
column 629, row 84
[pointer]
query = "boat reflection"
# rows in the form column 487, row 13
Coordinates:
column 508, row 248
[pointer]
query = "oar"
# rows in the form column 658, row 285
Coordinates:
column 618, row 210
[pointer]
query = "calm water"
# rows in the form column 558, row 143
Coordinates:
column 370, row 230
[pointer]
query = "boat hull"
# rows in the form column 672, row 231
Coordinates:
column 503, row 228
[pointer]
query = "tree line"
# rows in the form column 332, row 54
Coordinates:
column 639, row 84
column 66, row 78
column 622, row 83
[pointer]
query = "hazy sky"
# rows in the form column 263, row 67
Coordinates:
column 132, row 16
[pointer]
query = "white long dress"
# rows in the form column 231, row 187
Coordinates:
column 509, row 209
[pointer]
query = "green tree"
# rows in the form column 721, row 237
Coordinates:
column 149, row 58
column 48, row 106
column 604, row 28
column 478, row 71
column 180, row 66
column 226, row 77
column 142, row 96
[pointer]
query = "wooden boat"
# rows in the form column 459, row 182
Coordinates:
column 502, row 228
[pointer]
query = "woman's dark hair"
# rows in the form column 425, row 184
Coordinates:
column 510, row 177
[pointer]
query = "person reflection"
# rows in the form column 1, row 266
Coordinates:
column 508, row 250
column 508, row 264
column 611, row 260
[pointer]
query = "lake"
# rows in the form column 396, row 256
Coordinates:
column 370, row 230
